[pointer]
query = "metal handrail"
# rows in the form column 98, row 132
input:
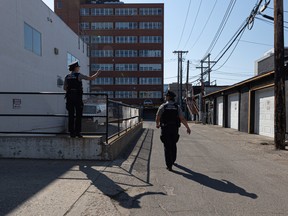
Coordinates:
column 65, row 115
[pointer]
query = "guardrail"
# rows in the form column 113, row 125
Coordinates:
column 44, row 113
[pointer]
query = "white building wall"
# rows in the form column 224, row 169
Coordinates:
column 24, row 71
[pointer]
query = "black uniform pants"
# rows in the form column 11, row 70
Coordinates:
column 169, row 137
column 74, row 104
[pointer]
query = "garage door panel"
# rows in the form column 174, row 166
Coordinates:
column 264, row 112
column 220, row 111
column 233, row 111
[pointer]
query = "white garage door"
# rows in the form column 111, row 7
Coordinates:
column 233, row 110
column 220, row 111
column 264, row 112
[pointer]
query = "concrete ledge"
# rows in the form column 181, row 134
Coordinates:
column 62, row 147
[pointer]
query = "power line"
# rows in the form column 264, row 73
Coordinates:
column 204, row 25
column 184, row 24
column 231, row 73
column 240, row 32
column 270, row 22
column 221, row 26
column 236, row 36
column 240, row 29
column 194, row 23
column 252, row 42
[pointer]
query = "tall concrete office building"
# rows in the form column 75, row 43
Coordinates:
column 126, row 42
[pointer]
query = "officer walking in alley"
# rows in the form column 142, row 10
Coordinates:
column 74, row 92
column 169, row 117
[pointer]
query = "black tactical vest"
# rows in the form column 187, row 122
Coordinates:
column 170, row 115
column 73, row 83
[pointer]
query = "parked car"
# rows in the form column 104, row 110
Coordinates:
column 90, row 122
column 92, row 110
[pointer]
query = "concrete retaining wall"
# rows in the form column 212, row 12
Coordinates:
column 50, row 148
column 46, row 147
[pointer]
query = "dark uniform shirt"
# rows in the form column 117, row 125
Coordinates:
column 72, row 82
column 171, row 105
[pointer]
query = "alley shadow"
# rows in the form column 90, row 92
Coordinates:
column 139, row 154
column 219, row 185
column 22, row 179
column 111, row 189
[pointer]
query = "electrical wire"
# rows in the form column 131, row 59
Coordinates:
column 204, row 26
column 170, row 77
column 230, row 53
column 240, row 29
column 222, row 25
column 231, row 73
column 248, row 22
column 193, row 23
column 184, row 24
column 252, row 42
column 236, row 36
column 270, row 22
column 273, row 9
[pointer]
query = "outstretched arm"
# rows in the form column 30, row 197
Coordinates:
column 94, row 76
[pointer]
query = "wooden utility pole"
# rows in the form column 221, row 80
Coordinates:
column 187, row 90
column 279, row 80
column 201, row 100
column 179, row 77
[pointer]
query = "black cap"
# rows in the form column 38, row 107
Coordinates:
column 73, row 65
column 170, row 94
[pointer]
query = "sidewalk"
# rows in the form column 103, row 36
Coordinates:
column 137, row 183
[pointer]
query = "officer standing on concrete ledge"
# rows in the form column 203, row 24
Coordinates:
column 169, row 117
column 74, row 92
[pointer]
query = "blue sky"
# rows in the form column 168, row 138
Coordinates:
column 189, row 28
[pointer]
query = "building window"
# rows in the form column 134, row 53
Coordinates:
column 103, row 81
column 101, row 25
column 70, row 59
column 126, row 67
column 150, row 94
column 125, row 80
column 101, row 11
column 126, row 39
column 150, row 67
column 59, row 4
column 32, row 40
column 84, row 26
column 103, row 67
column 150, row 81
column 126, row 53
column 85, row 38
column 150, row 53
column 125, row 94
column 84, row 12
column 102, row 53
column 150, row 25
column 102, row 39
column 109, row 93
column 126, row 25
column 126, row 11
column 150, row 39
column 150, row 11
